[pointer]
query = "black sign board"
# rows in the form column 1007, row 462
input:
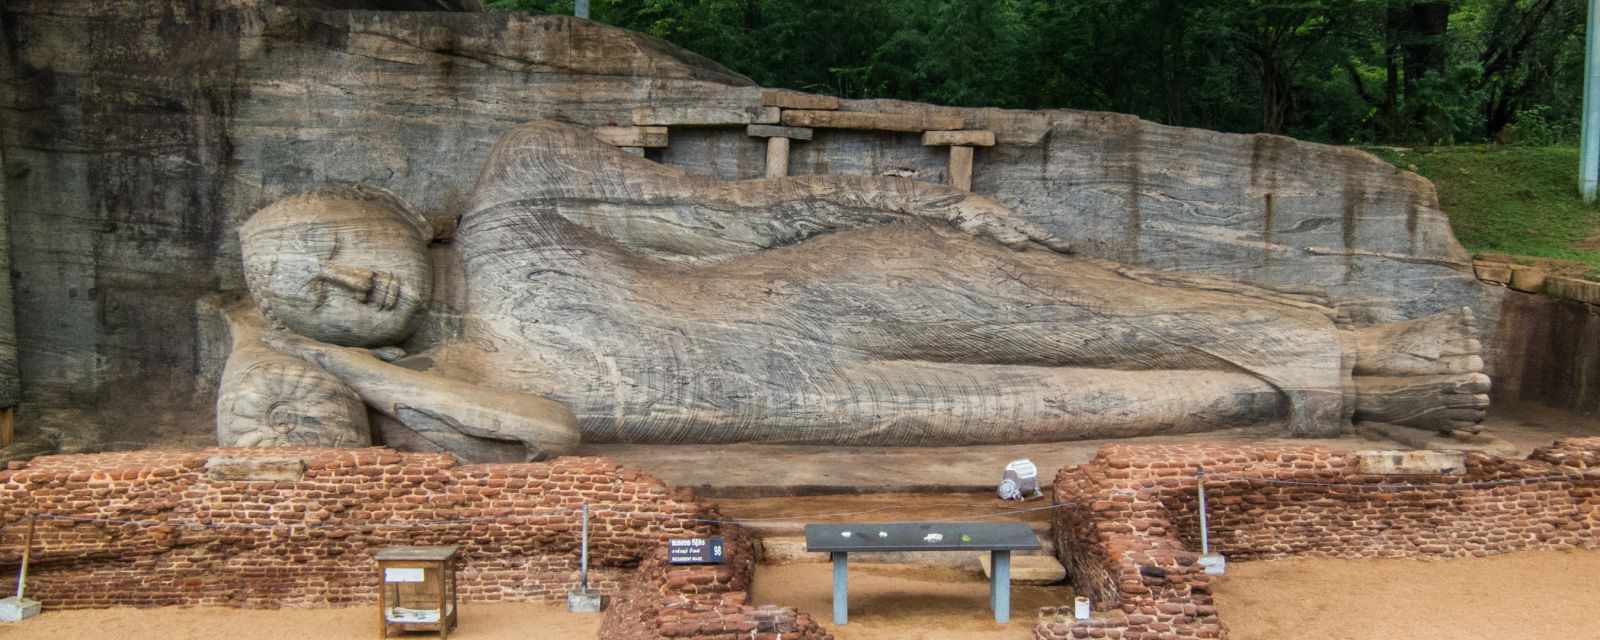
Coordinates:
column 695, row 551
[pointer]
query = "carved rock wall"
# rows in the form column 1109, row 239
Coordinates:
column 1548, row 351
column 139, row 134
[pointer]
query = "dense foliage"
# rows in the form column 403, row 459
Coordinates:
column 1385, row 71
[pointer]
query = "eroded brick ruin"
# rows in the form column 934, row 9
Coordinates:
column 1127, row 526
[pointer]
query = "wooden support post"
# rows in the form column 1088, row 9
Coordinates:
column 777, row 157
column 777, row 145
column 7, row 418
column 961, row 167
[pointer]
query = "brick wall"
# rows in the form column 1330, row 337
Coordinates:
column 703, row 602
column 1127, row 526
column 202, row 539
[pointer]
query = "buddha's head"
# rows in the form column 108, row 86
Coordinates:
column 344, row 264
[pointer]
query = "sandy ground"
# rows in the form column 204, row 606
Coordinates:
column 905, row 603
column 487, row 621
column 1525, row 596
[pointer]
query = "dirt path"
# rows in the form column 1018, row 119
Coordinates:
column 489, row 621
column 1525, row 596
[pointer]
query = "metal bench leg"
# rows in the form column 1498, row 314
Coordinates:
column 841, row 588
column 1000, row 585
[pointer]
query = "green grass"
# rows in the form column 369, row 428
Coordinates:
column 1509, row 199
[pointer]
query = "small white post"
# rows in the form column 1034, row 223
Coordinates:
column 1213, row 563
column 583, row 600
column 1205, row 541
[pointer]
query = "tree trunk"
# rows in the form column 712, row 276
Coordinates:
column 1423, row 41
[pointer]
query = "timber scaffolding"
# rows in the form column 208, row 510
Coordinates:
column 785, row 117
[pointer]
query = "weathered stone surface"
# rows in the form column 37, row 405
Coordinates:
column 1492, row 272
column 1528, row 279
column 798, row 100
column 255, row 468
column 665, row 307
column 268, row 399
column 1586, row 291
column 652, row 137
column 1546, row 352
column 10, row 384
column 704, row 116
column 963, row 138
column 775, row 131
column 908, row 122
column 124, row 238
column 1450, row 463
column 961, row 168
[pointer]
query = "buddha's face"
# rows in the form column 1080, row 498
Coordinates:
column 346, row 265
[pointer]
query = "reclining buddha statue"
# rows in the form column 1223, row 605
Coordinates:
column 611, row 298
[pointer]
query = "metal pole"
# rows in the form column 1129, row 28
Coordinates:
column 1205, row 541
column 1589, row 154
column 581, row 9
column 27, row 550
column 583, row 561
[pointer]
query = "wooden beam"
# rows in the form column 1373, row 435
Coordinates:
column 797, row 100
column 653, row 137
column 704, row 116
column 8, row 417
column 775, row 131
column 907, row 122
column 969, row 138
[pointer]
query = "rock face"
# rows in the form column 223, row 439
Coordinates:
column 663, row 307
column 131, row 162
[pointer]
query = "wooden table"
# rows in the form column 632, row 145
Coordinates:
column 427, row 573
column 999, row 539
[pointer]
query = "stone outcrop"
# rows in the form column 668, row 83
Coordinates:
column 129, row 165
column 663, row 307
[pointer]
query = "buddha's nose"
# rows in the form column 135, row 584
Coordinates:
column 351, row 278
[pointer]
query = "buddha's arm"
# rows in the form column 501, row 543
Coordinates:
column 428, row 402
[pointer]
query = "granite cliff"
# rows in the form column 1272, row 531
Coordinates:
column 138, row 135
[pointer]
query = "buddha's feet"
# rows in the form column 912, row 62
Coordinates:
column 1425, row 373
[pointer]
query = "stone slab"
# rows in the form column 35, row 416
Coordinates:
column 584, row 602
column 1528, row 279
column 1029, row 569
column 255, row 468
column 14, row 609
column 907, row 122
column 1412, row 462
column 654, row 137
column 1573, row 289
column 776, row 131
column 1492, row 272
column 798, row 100
column 968, row 138
column 705, row 116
